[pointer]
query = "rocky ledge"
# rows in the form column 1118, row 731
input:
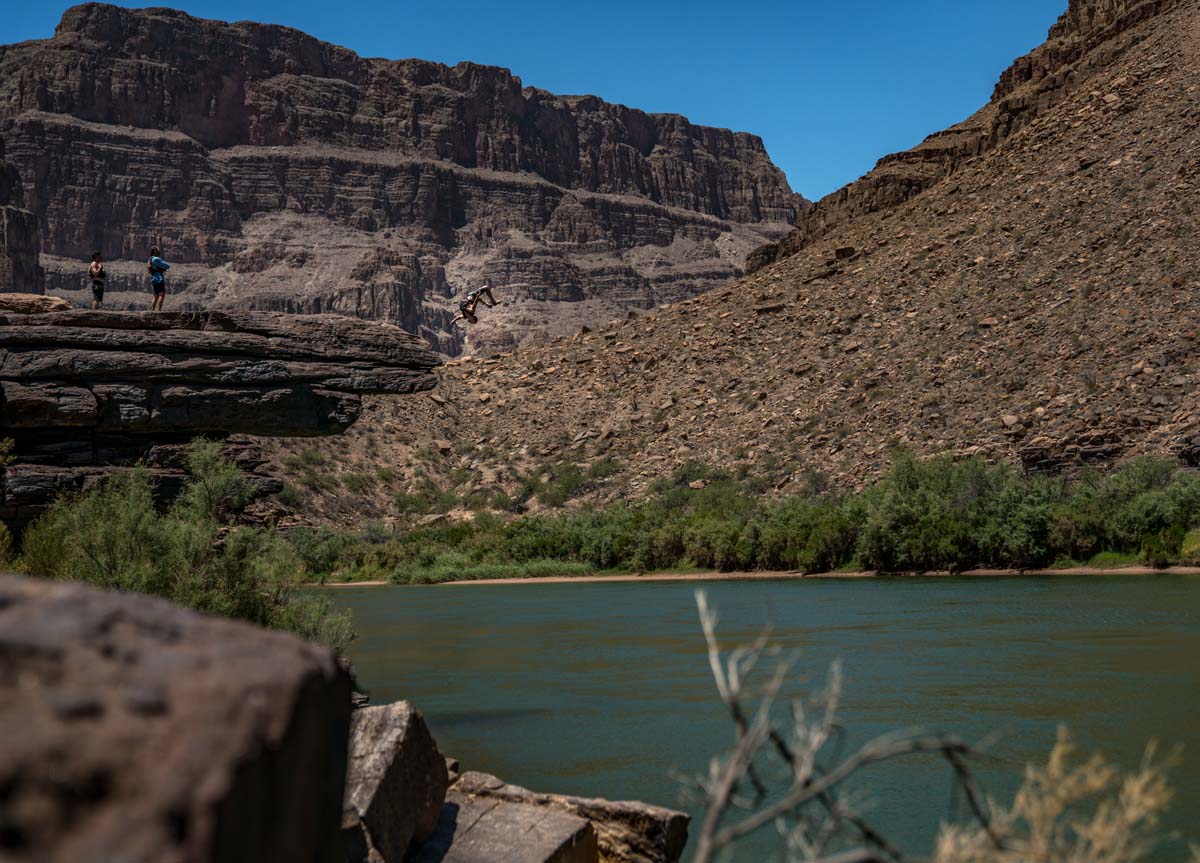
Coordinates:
column 85, row 393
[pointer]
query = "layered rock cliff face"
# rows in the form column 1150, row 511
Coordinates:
column 289, row 174
column 20, row 271
column 1089, row 36
column 85, row 393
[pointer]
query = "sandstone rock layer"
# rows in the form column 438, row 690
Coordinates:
column 280, row 172
column 82, row 391
column 627, row 832
column 482, row 830
column 135, row 730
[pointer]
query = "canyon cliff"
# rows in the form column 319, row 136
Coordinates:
column 278, row 172
column 20, row 244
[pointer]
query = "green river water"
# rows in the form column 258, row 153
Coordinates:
column 602, row 689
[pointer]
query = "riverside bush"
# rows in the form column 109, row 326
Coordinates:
column 114, row 537
column 937, row 514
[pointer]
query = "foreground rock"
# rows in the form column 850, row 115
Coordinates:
column 488, row 830
column 84, row 391
column 627, row 832
column 395, row 784
column 135, row 730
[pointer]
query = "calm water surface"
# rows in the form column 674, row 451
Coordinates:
column 603, row 689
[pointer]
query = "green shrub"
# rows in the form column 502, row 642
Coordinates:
column 358, row 483
column 565, row 481
column 289, row 496
column 922, row 515
column 604, row 468
column 114, row 537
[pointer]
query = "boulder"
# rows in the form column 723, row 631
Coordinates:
column 489, row 830
column 136, row 730
column 627, row 831
column 32, row 304
column 395, row 784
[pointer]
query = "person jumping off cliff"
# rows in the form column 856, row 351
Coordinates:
column 157, row 268
column 96, row 272
column 466, row 309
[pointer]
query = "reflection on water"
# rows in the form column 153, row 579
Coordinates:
column 603, row 689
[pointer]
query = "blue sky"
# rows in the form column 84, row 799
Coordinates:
column 830, row 86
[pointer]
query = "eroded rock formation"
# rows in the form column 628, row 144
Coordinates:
column 83, row 393
column 280, row 172
column 136, row 730
column 20, row 244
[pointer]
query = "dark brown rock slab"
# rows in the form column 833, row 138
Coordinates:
column 488, row 830
column 627, row 831
column 395, row 784
column 136, row 730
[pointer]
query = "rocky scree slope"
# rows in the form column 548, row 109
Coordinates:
column 280, row 172
column 1038, row 303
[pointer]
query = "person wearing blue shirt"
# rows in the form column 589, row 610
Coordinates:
column 157, row 269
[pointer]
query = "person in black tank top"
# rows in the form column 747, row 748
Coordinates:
column 97, row 275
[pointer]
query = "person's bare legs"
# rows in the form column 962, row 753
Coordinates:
column 156, row 306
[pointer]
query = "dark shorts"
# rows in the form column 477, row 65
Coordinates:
column 158, row 288
column 98, row 291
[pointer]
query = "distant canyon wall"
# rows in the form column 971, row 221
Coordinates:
column 292, row 174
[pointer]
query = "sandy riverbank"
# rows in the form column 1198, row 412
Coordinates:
column 793, row 576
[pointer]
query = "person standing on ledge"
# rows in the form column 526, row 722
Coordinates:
column 96, row 272
column 157, row 269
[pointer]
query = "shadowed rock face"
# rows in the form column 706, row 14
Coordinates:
column 136, row 730
column 83, row 391
column 294, row 175
column 20, row 244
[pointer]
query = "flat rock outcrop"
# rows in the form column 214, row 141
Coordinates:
column 84, row 392
column 20, row 242
column 626, row 831
column 136, row 730
column 486, row 830
column 284, row 173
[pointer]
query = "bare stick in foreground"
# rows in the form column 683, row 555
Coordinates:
column 809, row 804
